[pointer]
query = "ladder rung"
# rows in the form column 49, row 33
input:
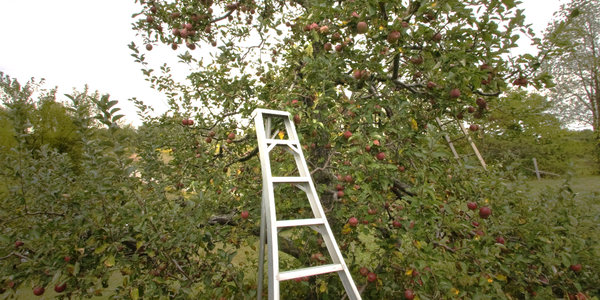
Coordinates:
column 282, row 142
column 299, row 222
column 287, row 275
column 458, row 138
column 290, row 179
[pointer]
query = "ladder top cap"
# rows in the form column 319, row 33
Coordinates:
column 265, row 111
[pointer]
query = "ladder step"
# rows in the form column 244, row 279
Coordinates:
column 290, row 179
column 287, row 275
column 270, row 112
column 299, row 222
column 281, row 142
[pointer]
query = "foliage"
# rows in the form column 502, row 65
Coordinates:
column 572, row 43
column 166, row 219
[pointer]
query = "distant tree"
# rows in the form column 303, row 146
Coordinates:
column 573, row 44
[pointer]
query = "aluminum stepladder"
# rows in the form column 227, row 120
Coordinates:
column 269, row 225
column 465, row 135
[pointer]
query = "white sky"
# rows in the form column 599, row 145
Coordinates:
column 71, row 43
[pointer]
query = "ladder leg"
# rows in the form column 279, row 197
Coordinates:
column 261, row 249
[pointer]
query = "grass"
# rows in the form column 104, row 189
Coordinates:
column 586, row 186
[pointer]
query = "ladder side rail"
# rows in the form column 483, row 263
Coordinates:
column 448, row 140
column 473, row 146
column 328, row 237
column 265, row 164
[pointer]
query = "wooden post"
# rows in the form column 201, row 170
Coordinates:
column 537, row 171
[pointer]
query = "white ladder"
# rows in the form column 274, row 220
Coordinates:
column 270, row 224
column 465, row 135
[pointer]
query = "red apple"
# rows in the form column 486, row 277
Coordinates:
column 455, row 93
column 19, row 244
column 149, row 19
column 371, row 211
column 67, row 258
column 479, row 232
column 347, row 134
column 357, row 74
column 397, row 224
column 38, row 290
column 208, row 140
column 296, row 119
column 353, row 221
column 393, row 36
column 409, row 294
column 474, row 127
column 376, row 143
column 371, row 277
column 575, row 268
column 245, row 214
column 148, row 47
column 500, row 240
column 481, row 103
column 339, row 187
column 174, row 46
column 471, row 109
column 472, row 205
column 431, row 85
column 60, row 288
column 231, row 135
column 485, row 212
column 367, row 148
column 380, row 156
column 327, row 46
column 475, row 224
column 355, row 15
column 437, row 37
column 339, row 47
column 348, row 178
column 401, row 168
column 363, row 271
column 324, row 29
column 340, row 194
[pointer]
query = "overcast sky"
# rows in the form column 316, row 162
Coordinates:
column 71, row 43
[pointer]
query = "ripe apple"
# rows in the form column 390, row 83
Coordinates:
column 191, row 46
column 149, row 47
column 474, row 127
column 175, row 15
column 401, row 168
column 471, row 109
column 339, row 187
column 485, row 212
column 417, row 60
column 431, row 85
column 437, row 37
column 327, row 46
column 245, row 214
column 67, row 258
column 371, row 277
column 472, row 205
column 296, row 119
column 347, row 134
column 404, row 24
column 363, row 271
column 479, row 232
column 357, row 74
column 353, row 221
column 339, row 47
column 336, row 36
column 454, row 93
column 348, row 178
column 366, row 222
column 355, row 15
column 475, row 224
column 376, row 143
column 38, row 290
column 208, row 140
column 324, row 29
column 393, row 36
column 481, row 103
column 340, row 194
column 500, row 240
column 149, row 19
column 19, row 244
column 153, row 9
column 231, row 135
column 175, row 32
column 371, row 211
column 409, row 294
column 380, row 156
column 575, row 268
column 460, row 115
column 397, row 224
column 174, row 46
column 60, row 288
column 367, row 148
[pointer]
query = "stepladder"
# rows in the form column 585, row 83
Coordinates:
column 276, row 129
column 464, row 134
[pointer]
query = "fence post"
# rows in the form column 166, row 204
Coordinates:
column 537, row 171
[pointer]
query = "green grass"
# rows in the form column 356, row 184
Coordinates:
column 587, row 186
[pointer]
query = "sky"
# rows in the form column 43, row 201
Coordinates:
column 72, row 43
